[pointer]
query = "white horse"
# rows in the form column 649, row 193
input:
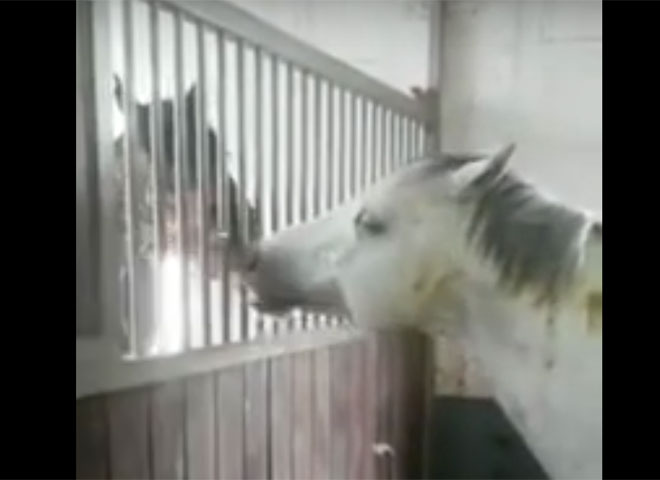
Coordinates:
column 462, row 245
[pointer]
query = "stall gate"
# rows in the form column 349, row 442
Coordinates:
column 198, row 128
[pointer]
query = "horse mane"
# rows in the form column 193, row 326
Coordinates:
column 535, row 244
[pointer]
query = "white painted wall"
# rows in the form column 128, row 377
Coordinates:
column 530, row 72
column 387, row 39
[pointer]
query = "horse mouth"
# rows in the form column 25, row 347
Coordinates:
column 281, row 305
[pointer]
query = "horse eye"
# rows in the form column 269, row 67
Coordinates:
column 369, row 223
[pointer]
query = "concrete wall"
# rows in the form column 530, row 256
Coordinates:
column 529, row 72
column 388, row 40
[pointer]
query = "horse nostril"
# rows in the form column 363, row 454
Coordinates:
column 251, row 258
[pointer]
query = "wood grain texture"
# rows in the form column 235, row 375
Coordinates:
column 167, row 430
column 321, row 414
column 358, row 449
column 92, row 438
column 256, row 421
column 339, row 412
column 281, row 389
column 200, row 427
column 230, row 423
column 371, row 402
column 129, row 434
column 302, row 419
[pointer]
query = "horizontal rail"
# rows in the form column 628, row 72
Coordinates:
column 107, row 373
column 232, row 19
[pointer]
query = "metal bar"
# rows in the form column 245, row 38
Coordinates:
column 95, row 21
column 222, row 191
column 389, row 140
column 316, row 319
column 259, row 160
column 386, row 151
column 402, row 140
column 412, row 144
column 304, row 161
column 352, row 125
column 275, row 178
column 242, row 147
column 224, row 15
column 341, row 157
column 304, row 158
column 330, row 146
column 129, row 181
column 203, row 184
column 393, row 141
column 317, row 146
column 363, row 144
column 290, row 164
column 373, row 132
column 275, row 197
column 380, row 124
column 181, row 159
column 157, row 147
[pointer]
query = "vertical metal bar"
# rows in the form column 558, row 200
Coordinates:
column 394, row 150
column 420, row 133
column 203, row 184
column 363, row 143
column 412, row 152
column 317, row 146
column 373, row 129
column 222, row 192
column 385, row 166
column 275, row 196
column 341, row 154
column 317, row 161
column 157, row 147
column 378, row 141
column 242, row 146
column 304, row 159
column 258, row 139
column 330, row 139
column 129, row 181
column 353, row 145
column 95, row 25
column 290, row 164
column 181, row 159
column 275, row 167
column 402, row 144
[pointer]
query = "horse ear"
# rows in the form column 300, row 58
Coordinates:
column 481, row 172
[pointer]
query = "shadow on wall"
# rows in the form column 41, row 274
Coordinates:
column 471, row 438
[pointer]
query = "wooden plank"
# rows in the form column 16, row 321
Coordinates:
column 167, row 430
column 358, row 450
column 384, row 410
column 129, row 440
column 339, row 414
column 398, row 387
column 422, row 363
column 406, row 375
column 302, row 418
column 370, row 369
column 200, row 427
column 91, row 438
column 281, row 418
column 321, row 414
column 230, row 423
column 256, row 420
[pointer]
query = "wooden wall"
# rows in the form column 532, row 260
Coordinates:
column 313, row 414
